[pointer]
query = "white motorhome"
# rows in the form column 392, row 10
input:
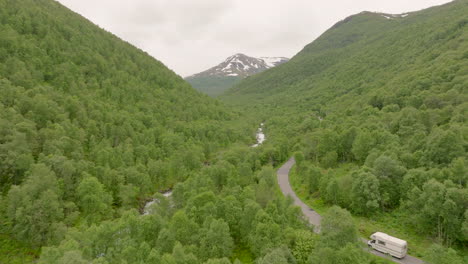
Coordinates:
column 388, row 244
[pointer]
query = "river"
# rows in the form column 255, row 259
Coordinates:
column 260, row 136
column 147, row 208
column 260, row 139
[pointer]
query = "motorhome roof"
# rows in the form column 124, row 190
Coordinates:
column 383, row 236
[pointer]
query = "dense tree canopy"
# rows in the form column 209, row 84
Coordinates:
column 377, row 107
column 91, row 129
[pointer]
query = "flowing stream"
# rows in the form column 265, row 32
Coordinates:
column 147, row 208
column 260, row 136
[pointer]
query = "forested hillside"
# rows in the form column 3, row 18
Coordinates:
column 74, row 95
column 89, row 125
column 91, row 128
column 378, row 109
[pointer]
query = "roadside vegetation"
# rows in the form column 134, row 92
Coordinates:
column 376, row 109
column 393, row 223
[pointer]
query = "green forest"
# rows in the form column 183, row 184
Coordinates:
column 379, row 129
column 92, row 129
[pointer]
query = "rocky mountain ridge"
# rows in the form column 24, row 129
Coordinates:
column 241, row 65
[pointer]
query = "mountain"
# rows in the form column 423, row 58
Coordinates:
column 216, row 80
column 241, row 65
column 362, row 53
column 90, row 126
column 378, row 103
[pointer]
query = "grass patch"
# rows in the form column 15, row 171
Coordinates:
column 380, row 260
column 242, row 253
column 390, row 223
column 299, row 187
column 14, row 252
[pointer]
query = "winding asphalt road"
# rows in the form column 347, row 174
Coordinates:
column 314, row 218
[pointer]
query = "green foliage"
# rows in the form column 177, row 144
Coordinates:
column 459, row 172
column 299, row 158
column 337, row 228
column 35, row 209
column 93, row 200
column 365, row 193
column 339, row 241
column 377, row 107
column 439, row 208
column 351, row 254
column 265, row 192
column 440, row 255
column 444, row 146
column 278, row 256
column 329, row 160
column 14, row 252
column 303, row 244
column 242, row 255
column 183, row 228
column 216, row 241
column 80, row 98
column 362, row 145
column 218, row 261
column 91, row 127
column 266, row 234
column 314, row 176
column 389, row 174
column 465, row 225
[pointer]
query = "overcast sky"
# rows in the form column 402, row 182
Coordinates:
column 190, row 36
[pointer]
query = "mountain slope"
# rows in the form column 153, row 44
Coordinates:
column 218, row 79
column 379, row 103
column 60, row 70
column 241, row 65
column 367, row 41
column 92, row 129
column 90, row 125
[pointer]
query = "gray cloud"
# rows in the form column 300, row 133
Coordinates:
column 190, row 36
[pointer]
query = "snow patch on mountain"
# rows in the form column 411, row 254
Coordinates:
column 242, row 65
column 394, row 16
column 274, row 61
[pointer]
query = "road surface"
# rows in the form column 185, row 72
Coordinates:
column 314, row 218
